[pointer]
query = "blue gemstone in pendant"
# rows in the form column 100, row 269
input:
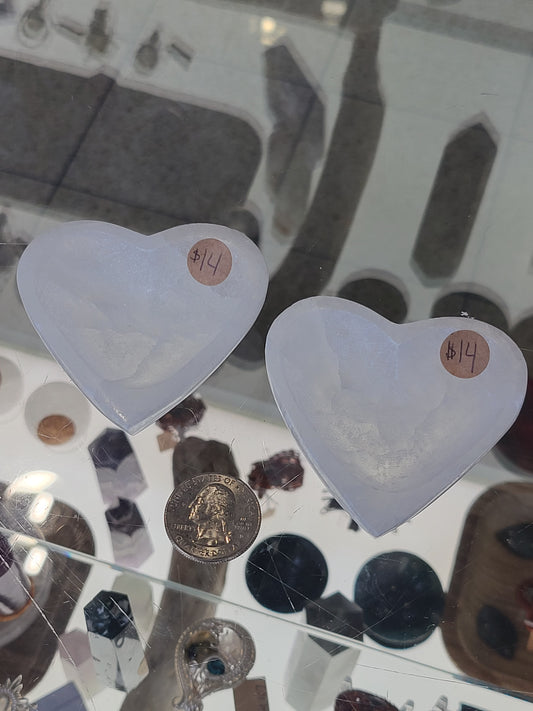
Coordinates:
column 216, row 667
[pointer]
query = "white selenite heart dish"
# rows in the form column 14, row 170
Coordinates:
column 376, row 410
column 137, row 321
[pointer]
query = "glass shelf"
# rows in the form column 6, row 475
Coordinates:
column 380, row 150
column 170, row 607
column 56, row 488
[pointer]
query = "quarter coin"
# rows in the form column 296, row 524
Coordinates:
column 212, row 518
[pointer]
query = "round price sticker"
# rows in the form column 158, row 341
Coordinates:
column 465, row 354
column 209, row 261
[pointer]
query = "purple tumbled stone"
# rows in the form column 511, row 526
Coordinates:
column 187, row 413
column 281, row 471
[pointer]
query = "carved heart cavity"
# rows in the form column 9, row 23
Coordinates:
column 138, row 322
column 389, row 415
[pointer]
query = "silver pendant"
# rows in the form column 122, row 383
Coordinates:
column 211, row 655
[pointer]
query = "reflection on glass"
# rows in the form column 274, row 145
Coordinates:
column 333, row 10
column 35, row 560
column 33, row 26
column 380, row 295
column 270, row 31
column 310, row 261
column 181, row 52
column 31, row 482
column 147, row 56
column 25, row 586
column 14, row 584
column 99, row 37
column 297, row 140
column 40, row 507
column 472, row 304
column 460, row 182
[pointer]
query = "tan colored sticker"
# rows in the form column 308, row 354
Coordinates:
column 465, row 354
column 55, row 429
column 209, row 261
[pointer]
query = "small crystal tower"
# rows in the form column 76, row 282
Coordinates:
column 317, row 665
column 117, row 652
column 117, row 468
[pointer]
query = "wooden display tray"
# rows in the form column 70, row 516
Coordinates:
column 487, row 573
column 31, row 654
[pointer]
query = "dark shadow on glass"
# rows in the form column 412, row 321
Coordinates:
column 245, row 221
column 162, row 149
column 180, row 52
column 472, row 304
column 454, row 201
column 57, row 152
column 97, row 36
column 377, row 294
column 522, row 335
column 50, row 125
column 296, row 143
column 147, row 56
column 6, row 7
column 11, row 245
column 33, row 26
column 515, row 449
column 311, row 259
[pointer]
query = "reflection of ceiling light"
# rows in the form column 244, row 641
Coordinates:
column 31, row 482
column 333, row 10
column 268, row 25
column 271, row 31
column 35, row 560
column 40, row 507
column 22, row 541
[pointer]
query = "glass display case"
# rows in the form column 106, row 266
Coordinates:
column 376, row 150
